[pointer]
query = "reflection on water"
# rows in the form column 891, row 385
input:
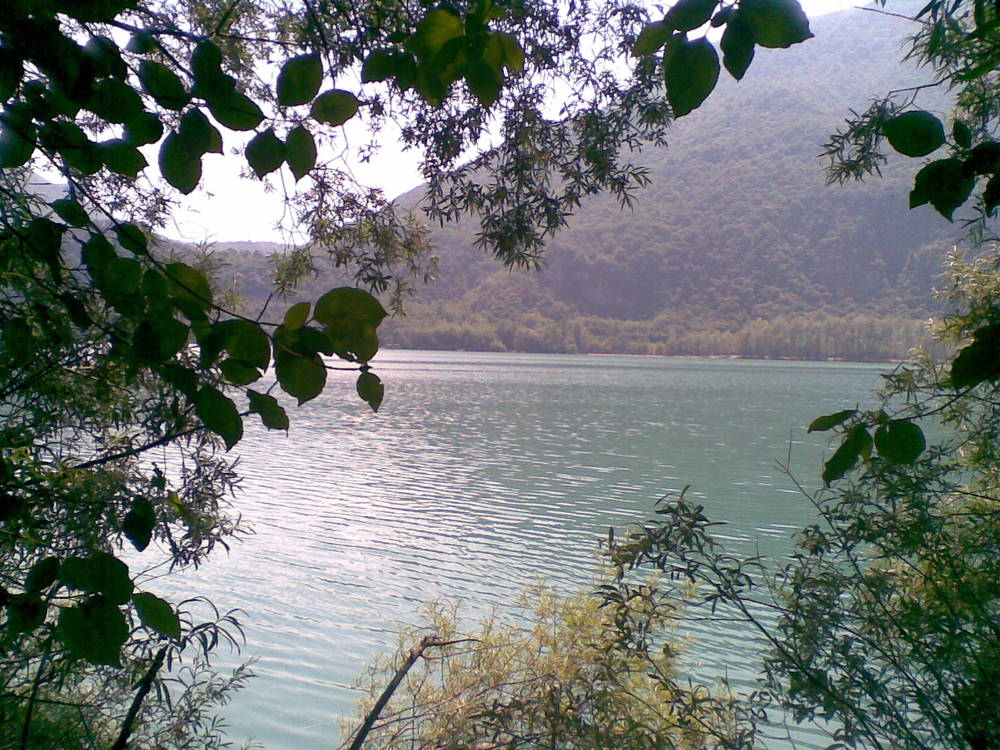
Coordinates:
column 480, row 474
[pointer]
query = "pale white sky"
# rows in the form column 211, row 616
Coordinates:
column 230, row 208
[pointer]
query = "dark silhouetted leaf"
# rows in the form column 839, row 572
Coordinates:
column 17, row 144
column 961, row 134
column 692, row 70
column 370, row 389
column 978, row 361
column 157, row 615
column 42, row 574
column 437, row 28
column 161, row 83
column 857, row 443
column 219, row 415
column 132, row 238
column 651, row 38
column 238, row 373
column 142, row 129
column 94, row 631
column 180, row 165
column 121, row 157
column 737, row 47
column 775, row 23
column 138, row 523
column 829, row 421
column 300, row 376
column 246, row 341
column 114, row 101
column 299, row 80
column 300, row 152
column 991, row 195
column 296, row 316
column 236, row 111
column 265, row 153
column 686, row 15
column 99, row 573
column 380, row 65
column 201, row 135
column 71, row 212
column 335, row 107
column 984, row 158
column 916, row 133
column 484, row 82
column 272, row 415
column 900, row 441
column 189, row 287
column 944, row 184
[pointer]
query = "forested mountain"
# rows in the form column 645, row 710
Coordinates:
column 736, row 247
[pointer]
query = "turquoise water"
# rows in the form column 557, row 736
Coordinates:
column 480, row 474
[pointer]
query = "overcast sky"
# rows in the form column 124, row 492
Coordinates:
column 231, row 208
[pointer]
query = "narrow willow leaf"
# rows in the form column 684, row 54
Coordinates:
column 692, row 71
column 219, row 415
column 335, row 107
column 157, row 614
column 299, row 80
column 915, row 133
column 265, row 153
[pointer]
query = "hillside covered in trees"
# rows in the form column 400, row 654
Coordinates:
column 737, row 245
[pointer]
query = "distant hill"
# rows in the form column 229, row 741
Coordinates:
column 737, row 231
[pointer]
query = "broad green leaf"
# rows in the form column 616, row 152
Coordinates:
column 11, row 71
column 984, row 158
column 236, row 111
column 246, row 341
column 371, row 390
column 219, row 415
column 180, row 164
column 857, row 443
column 25, row 612
column 73, row 145
column 380, row 65
column 723, row 17
column 17, row 144
column 299, row 80
column 829, row 421
column 42, row 575
column 159, row 338
column 737, row 47
column 265, row 153
column 141, row 43
column 991, row 195
column 71, row 212
column 348, row 303
column 900, row 441
column 114, row 101
column 142, row 129
column 272, row 415
column 98, row 573
column 238, row 372
column 188, row 286
column 157, row 614
column 105, row 57
column 43, row 238
column 437, row 28
column 161, row 83
column 335, row 107
column 692, row 70
column 916, row 133
column 132, row 238
column 510, row 52
column 121, row 157
column 944, row 184
column 775, row 23
column 139, row 523
column 484, row 82
column 651, row 38
column 978, row 361
column 95, row 631
column 961, row 134
column 300, row 152
column 201, row 135
column 296, row 316
column 206, row 61
column 300, row 376
column 687, row 15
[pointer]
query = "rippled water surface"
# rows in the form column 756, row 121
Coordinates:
column 480, row 474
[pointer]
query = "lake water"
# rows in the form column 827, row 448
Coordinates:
column 480, row 474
